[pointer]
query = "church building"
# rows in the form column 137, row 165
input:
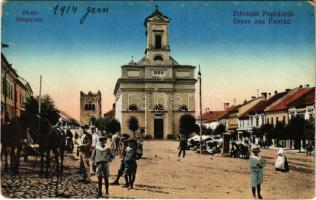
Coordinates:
column 156, row 90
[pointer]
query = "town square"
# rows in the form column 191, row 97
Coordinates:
column 152, row 100
column 213, row 177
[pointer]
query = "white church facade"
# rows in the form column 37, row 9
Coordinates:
column 156, row 90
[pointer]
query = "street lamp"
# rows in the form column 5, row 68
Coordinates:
column 200, row 81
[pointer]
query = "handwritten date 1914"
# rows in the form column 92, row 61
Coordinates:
column 61, row 10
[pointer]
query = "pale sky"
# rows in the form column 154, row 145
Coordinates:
column 236, row 60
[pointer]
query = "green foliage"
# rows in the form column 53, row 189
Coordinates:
column 207, row 131
column 245, row 134
column 279, row 131
column 93, row 120
column 113, row 126
column 101, row 123
column 187, row 124
column 257, row 132
column 48, row 110
column 219, row 130
column 309, row 129
column 133, row 124
column 267, row 129
column 299, row 128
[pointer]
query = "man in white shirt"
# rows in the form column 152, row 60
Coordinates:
column 95, row 141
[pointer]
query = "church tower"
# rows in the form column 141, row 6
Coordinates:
column 157, row 32
column 157, row 90
column 90, row 107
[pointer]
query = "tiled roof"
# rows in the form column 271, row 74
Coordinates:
column 305, row 100
column 283, row 104
column 110, row 113
column 66, row 117
column 227, row 112
column 212, row 116
column 259, row 107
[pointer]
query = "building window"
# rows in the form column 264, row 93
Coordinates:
column 277, row 119
column 132, row 107
column 272, row 121
column 158, row 41
column 283, row 120
column 89, row 106
column 257, row 121
column 158, row 107
column 267, row 120
column 158, row 72
column 158, row 57
column 183, row 108
column 262, row 119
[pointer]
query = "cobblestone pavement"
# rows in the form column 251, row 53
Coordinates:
column 28, row 184
column 161, row 175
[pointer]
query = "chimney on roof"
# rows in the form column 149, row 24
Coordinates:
column 264, row 94
column 275, row 92
column 301, row 86
column 287, row 90
column 253, row 97
column 226, row 106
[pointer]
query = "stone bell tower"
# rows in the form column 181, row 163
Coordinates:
column 157, row 32
column 90, row 106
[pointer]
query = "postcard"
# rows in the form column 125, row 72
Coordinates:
column 158, row 99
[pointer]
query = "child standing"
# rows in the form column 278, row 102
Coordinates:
column 101, row 156
column 130, row 163
column 122, row 168
column 256, row 164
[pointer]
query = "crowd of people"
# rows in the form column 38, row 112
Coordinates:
column 95, row 155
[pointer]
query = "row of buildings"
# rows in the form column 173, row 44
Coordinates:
column 265, row 109
column 14, row 91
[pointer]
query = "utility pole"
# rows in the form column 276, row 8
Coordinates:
column 200, row 80
column 40, row 96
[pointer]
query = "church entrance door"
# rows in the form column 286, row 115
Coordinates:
column 158, row 128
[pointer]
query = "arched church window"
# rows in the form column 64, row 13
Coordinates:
column 158, row 107
column 92, row 106
column 183, row 108
column 158, row 57
column 86, row 106
column 132, row 107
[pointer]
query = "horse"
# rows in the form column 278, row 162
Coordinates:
column 50, row 139
column 13, row 135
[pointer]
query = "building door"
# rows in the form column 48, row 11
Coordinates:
column 158, row 128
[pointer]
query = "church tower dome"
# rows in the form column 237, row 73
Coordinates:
column 157, row 33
